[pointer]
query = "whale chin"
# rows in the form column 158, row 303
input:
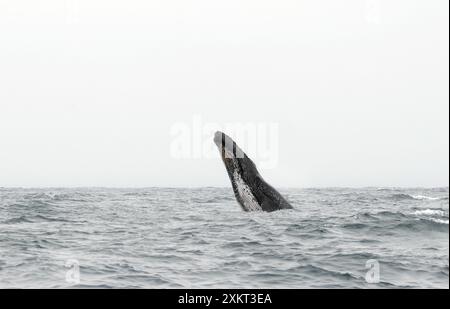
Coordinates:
column 252, row 192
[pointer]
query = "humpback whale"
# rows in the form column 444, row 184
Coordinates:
column 251, row 191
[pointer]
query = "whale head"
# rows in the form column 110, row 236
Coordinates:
column 250, row 189
column 234, row 158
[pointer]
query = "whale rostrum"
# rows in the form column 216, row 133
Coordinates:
column 252, row 192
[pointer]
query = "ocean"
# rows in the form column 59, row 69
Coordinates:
column 200, row 238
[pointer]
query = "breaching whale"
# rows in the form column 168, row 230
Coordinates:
column 252, row 192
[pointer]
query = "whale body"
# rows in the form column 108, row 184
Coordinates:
column 252, row 192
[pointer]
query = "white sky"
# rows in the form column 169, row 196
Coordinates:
column 90, row 89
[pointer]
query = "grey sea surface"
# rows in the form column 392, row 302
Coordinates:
column 200, row 238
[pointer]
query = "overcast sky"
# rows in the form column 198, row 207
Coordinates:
column 90, row 90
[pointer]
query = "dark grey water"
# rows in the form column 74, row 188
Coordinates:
column 200, row 238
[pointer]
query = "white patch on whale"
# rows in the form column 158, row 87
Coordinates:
column 244, row 191
column 248, row 199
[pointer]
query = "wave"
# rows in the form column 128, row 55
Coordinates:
column 424, row 219
column 21, row 219
column 33, row 219
column 430, row 212
column 401, row 196
column 48, row 197
column 423, row 197
column 436, row 216
column 424, row 223
column 439, row 221
column 404, row 196
column 382, row 215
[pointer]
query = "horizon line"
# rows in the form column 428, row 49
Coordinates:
column 221, row 187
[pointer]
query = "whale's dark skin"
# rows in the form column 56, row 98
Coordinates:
column 252, row 192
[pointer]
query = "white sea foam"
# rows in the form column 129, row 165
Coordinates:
column 423, row 197
column 440, row 221
column 430, row 212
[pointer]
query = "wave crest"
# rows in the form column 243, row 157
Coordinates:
column 404, row 196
